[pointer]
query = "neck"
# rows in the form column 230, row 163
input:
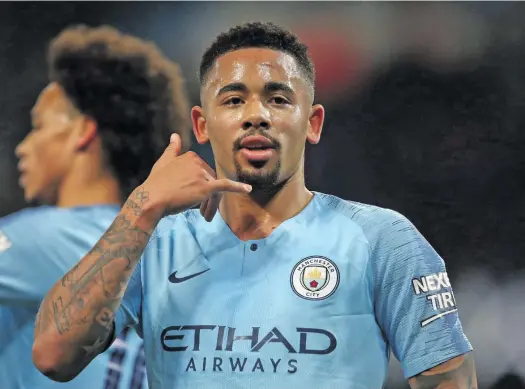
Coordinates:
column 88, row 183
column 256, row 215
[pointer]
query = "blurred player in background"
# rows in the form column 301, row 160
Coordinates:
column 272, row 285
column 98, row 127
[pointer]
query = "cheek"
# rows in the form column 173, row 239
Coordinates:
column 50, row 157
column 232, row 118
column 292, row 132
column 293, row 120
column 45, row 152
column 39, row 172
column 223, row 130
column 292, row 127
column 293, row 152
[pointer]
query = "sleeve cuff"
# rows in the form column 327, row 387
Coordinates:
column 111, row 339
column 119, row 323
column 414, row 367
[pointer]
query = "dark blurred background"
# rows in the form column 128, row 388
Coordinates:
column 425, row 115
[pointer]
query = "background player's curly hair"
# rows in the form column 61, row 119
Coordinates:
column 134, row 93
column 263, row 35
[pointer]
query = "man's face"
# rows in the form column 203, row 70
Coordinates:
column 46, row 152
column 257, row 114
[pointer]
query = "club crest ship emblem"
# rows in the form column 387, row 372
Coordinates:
column 315, row 278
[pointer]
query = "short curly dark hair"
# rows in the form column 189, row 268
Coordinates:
column 258, row 34
column 133, row 92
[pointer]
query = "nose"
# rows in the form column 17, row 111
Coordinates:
column 257, row 116
column 20, row 149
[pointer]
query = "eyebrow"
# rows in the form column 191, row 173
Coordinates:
column 268, row 88
column 234, row 87
column 278, row 87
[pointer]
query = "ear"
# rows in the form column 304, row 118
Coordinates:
column 199, row 125
column 87, row 131
column 315, row 124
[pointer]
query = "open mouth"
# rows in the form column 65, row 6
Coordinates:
column 21, row 173
column 257, row 150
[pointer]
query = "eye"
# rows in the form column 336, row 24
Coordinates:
column 233, row 101
column 279, row 100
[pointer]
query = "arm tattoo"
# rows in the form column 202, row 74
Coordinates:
column 460, row 376
column 84, row 302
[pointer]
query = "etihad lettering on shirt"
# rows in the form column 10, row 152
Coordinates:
column 189, row 338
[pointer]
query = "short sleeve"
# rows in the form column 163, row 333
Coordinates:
column 414, row 301
column 26, row 272
column 129, row 312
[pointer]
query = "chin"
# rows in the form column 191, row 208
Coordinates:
column 261, row 179
column 39, row 197
column 32, row 200
column 28, row 195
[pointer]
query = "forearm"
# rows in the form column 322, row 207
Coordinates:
column 75, row 320
column 458, row 373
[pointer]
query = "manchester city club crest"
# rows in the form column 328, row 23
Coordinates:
column 315, row 278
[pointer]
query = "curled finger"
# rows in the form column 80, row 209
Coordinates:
column 212, row 205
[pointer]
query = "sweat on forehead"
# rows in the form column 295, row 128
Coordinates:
column 258, row 36
column 256, row 68
column 263, row 62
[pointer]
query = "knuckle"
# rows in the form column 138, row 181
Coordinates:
column 202, row 174
column 192, row 155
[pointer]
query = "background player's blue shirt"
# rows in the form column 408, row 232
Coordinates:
column 37, row 247
column 317, row 304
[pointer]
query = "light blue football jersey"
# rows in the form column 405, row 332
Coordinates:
column 320, row 303
column 37, row 247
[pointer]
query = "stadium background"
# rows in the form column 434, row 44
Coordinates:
column 425, row 115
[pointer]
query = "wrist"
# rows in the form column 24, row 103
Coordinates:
column 143, row 210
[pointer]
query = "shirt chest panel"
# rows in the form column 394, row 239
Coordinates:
column 282, row 288
column 252, row 305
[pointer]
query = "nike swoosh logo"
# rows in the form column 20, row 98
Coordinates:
column 175, row 280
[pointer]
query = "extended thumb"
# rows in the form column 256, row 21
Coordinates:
column 175, row 144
